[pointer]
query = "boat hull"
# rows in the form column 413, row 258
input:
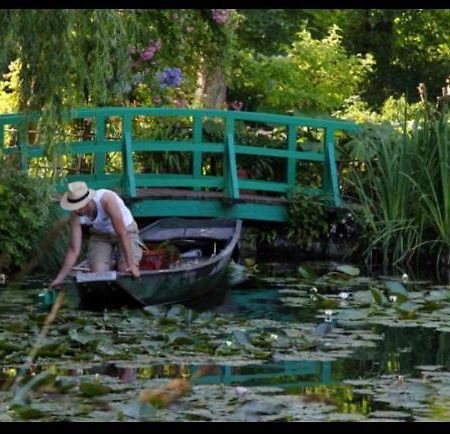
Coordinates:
column 186, row 281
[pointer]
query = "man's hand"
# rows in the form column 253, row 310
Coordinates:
column 57, row 283
column 134, row 270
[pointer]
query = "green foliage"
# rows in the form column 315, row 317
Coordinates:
column 409, row 46
column 84, row 57
column 307, row 220
column 403, row 188
column 23, row 214
column 314, row 75
column 9, row 89
column 384, row 193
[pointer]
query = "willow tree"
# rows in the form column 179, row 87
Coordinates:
column 67, row 57
column 83, row 57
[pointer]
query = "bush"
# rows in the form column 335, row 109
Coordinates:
column 23, row 215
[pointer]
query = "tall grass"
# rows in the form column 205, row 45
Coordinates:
column 404, row 191
column 390, row 231
column 430, row 152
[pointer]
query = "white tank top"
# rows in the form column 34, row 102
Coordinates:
column 102, row 222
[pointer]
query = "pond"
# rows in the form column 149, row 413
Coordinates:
column 316, row 342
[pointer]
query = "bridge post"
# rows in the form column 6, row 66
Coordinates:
column 291, row 161
column 230, row 179
column 129, row 179
column 197, row 155
column 22, row 144
column 330, row 176
column 100, row 159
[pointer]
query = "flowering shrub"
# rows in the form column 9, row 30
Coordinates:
column 170, row 77
column 151, row 50
column 220, row 16
column 146, row 54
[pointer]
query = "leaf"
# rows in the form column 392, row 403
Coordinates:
column 242, row 339
column 306, row 272
column 180, row 338
column 94, row 389
column 155, row 311
column 82, row 338
column 138, row 410
column 348, row 269
column 378, row 296
column 396, row 288
column 407, row 310
column 363, row 297
column 352, row 315
column 26, row 412
column 438, row 295
column 21, row 396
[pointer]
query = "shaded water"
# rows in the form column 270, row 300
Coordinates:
column 254, row 353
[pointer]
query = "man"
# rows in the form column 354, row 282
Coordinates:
column 111, row 225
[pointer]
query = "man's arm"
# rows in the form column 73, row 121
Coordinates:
column 72, row 252
column 112, row 209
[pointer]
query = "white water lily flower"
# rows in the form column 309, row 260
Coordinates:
column 405, row 278
column 328, row 312
column 344, row 295
column 273, row 336
column 228, row 343
column 241, row 391
column 313, row 289
column 392, row 298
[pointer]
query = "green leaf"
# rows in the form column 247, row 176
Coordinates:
column 306, row 272
column 348, row 269
column 378, row 296
column 94, row 389
column 397, row 289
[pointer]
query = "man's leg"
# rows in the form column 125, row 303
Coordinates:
column 99, row 254
column 136, row 249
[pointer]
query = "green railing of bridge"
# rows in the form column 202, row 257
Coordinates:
column 18, row 138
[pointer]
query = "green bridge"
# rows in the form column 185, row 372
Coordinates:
column 206, row 158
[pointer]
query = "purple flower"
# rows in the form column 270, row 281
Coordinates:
column 170, row 77
column 151, row 50
column 220, row 16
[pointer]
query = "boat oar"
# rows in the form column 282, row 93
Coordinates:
column 34, row 350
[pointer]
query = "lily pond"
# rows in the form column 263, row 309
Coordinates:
column 316, row 342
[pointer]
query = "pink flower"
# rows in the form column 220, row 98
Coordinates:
column 180, row 102
column 220, row 16
column 237, row 105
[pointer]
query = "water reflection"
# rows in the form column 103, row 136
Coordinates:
column 401, row 354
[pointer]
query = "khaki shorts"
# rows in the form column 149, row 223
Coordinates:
column 106, row 248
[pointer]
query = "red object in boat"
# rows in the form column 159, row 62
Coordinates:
column 153, row 259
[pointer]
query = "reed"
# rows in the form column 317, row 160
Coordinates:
column 404, row 192
column 391, row 230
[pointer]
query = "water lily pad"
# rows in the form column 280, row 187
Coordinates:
column 348, row 269
column 396, row 289
column 94, row 389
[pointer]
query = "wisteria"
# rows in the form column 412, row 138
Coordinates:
column 170, row 77
column 220, row 16
column 151, row 50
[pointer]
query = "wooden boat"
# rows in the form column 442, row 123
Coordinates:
column 204, row 246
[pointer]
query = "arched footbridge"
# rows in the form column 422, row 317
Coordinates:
column 184, row 162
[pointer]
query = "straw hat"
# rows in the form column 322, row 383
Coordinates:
column 77, row 196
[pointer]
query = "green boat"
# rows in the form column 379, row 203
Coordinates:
column 203, row 250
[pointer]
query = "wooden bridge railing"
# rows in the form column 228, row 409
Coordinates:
column 18, row 138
